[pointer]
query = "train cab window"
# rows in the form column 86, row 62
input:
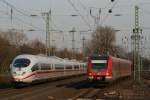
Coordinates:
column 35, row 67
column 22, row 62
column 99, row 64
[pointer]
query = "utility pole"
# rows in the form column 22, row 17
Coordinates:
column 48, row 18
column 83, row 39
column 53, row 47
column 73, row 41
column 83, row 44
column 96, row 17
column 136, row 47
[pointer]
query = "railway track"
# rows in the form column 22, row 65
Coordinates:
column 69, row 89
column 32, row 93
column 87, row 94
column 100, row 91
column 90, row 93
column 146, row 75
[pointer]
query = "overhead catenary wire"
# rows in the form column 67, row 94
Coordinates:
column 29, row 24
column 107, row 15
column 102, row 8
column 22, row 13
column 83, row 6
column 105, row 7
column 82, row 17
column 14, row 8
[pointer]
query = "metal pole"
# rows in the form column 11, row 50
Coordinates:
column 96, row 17
column 136, row 43
column 48, row 18
column 83, row 44
column 73, row 41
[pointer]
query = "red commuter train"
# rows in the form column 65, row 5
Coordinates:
column 107, row 68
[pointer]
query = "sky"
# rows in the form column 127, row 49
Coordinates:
column 61, row 19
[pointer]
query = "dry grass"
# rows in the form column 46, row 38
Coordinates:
column 5, row 81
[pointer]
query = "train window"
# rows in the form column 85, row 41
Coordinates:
column 22, row 62
column 59, row 66
column 35, row 67
column 82, row 67
column 98, row 66
column 76, row 67
column 45, row 66
column 68, row 67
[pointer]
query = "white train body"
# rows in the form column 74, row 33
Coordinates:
column 29, row 68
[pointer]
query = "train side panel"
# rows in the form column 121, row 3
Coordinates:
column 115, row 68
column 125, row 68
column 121, row 68
column 108, row 75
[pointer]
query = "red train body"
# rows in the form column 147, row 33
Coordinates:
column 107, row 68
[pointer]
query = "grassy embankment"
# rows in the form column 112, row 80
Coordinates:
column 5, row 80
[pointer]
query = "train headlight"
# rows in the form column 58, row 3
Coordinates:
column 91, row 77
column 107, row 73
column 90, row 74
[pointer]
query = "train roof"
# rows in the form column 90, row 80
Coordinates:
column 52, row 59
column 121, row 59
column 95, row 57
column 55, row 57
column 38, row 58
column 105, row 57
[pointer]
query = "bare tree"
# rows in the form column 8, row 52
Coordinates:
column 102, row 40
column 15, row 38
column 7, row 53
column 37, row 45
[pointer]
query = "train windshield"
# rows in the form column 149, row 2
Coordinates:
column 99, row 62
column 23, row 62
column 98, row 66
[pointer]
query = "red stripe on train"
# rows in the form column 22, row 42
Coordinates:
column 43, row 72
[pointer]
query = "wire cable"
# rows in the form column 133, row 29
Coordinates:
column 82, row 17
column 102, row 22
column 83, row 6
column 13, row 7
column 29, row 24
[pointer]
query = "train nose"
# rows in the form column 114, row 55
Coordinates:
column 17, row 78
column 18, row 74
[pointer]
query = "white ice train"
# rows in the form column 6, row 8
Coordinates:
column 30, row 68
